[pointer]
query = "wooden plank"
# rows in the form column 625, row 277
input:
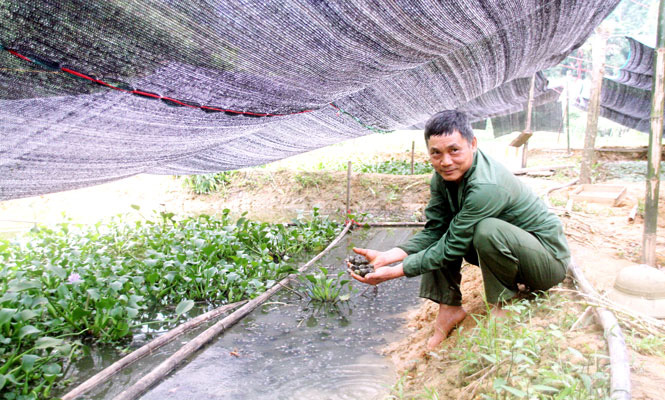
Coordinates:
column 521, row 139
column 523, row 171
column 604, row 194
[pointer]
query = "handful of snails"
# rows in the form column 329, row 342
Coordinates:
column 359, row 265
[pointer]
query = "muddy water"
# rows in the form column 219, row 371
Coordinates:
column 291, row 349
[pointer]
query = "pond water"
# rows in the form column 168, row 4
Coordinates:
column 291, row 349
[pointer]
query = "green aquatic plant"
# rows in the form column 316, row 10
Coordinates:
column 319, row 287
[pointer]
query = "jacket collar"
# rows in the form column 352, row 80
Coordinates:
column 472, row 168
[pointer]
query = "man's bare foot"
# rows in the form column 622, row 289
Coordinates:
column 447, row 318
column 498, row 312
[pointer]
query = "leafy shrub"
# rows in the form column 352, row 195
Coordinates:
column 209, row 183
column 99, row 283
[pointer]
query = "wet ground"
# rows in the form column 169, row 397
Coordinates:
column 631, row 171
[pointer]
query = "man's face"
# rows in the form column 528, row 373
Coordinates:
column 451, row 155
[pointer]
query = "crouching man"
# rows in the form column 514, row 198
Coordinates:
column 478, row 211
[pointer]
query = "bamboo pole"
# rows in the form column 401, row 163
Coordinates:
column 170, row 364
column 655, row 139
column 527, row 127
column 632, row 214
column 568, row 112
column 523, row 171
column 565, row 185
column 599, row 42
column 348, row 190
column 619, row 361
column 145, row 350
column 413, row 150
column 395, row 224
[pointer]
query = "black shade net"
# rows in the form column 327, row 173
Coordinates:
column 482, row 124
column 544, row 117
column 96, row 91
column 510, row 97
column 626, row 99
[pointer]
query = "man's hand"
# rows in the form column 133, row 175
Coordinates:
column 381, row 258
column 380, row 275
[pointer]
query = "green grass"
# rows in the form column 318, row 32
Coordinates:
column 524, row 357
column 305, row 180
column 395, row 167
column 209, row 183
column 650, row 345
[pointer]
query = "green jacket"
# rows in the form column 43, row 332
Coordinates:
column 487, row 190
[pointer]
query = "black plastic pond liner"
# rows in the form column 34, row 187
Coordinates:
column 163, row 369
column 145, row 350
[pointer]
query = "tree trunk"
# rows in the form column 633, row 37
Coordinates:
column 599, row 42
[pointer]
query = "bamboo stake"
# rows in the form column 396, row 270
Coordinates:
column 565, row 185
column 653, row 162
column 632, row 214
column 145, row 350
column 583, row 319
column 527, row 128
column 643, row 324
column 619, row 362
column 413, row 149
column 188, row 349
column 395, row 224
column 568, row 112
column 348, row 190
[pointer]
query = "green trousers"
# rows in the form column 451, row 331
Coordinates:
column 506, row 255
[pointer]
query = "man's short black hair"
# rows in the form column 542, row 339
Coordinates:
column 448, row 121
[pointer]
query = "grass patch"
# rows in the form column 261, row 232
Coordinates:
column 395, row 167
column 524, row 356
column 307, row 180
column 650, row 345
column 209, row 183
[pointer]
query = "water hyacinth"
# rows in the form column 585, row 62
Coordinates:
column 74, row 278
column 63, row 284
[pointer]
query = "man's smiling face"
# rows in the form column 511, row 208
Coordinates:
column 451, row 155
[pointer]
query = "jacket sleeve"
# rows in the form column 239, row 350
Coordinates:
column 438, row 216
column 482, row 201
